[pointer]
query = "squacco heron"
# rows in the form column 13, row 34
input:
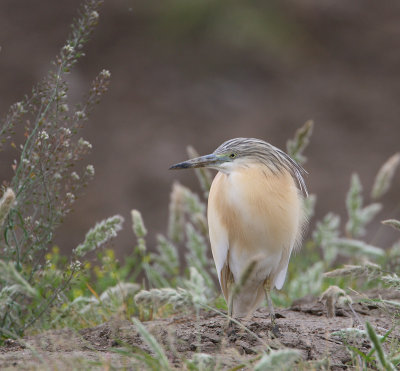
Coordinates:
column 255, row 215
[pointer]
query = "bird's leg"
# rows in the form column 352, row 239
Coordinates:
column 267, row 288
column 231, row 328
column 230, row 303
column 270, row 306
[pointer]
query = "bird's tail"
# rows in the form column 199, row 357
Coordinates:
column 246, row 301
column 246, row 294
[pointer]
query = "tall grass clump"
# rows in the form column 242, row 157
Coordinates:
column 43, row 130
column 372, row 263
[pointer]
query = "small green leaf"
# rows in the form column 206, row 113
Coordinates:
column 384, row 362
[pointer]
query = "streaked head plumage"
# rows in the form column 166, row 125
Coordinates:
column 243, row 152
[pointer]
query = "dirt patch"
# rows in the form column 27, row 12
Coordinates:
column 304, row 326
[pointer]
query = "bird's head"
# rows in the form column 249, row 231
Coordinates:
column 244, row 152
column 234, row 153
column 227, row 156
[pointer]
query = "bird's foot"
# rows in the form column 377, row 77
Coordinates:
column 231, row 329
column 274, row 327
column 275, row 331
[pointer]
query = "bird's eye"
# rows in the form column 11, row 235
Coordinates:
column 232, row 155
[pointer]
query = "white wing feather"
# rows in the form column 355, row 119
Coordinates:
column 281, row 277
column 219, row 241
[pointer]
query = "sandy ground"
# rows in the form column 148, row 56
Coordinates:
column 305, row 326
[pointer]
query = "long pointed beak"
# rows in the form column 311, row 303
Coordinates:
column 202, row 161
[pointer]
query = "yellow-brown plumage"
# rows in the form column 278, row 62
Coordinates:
column 255, row 216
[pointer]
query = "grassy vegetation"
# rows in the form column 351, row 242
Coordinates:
column 41, row 289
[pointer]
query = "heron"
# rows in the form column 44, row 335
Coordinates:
column 255, row 217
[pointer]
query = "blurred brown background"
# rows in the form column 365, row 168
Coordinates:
column 202, row 71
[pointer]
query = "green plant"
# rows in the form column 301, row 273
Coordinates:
column 48, row 179
column 353, row 338
column 282, row 359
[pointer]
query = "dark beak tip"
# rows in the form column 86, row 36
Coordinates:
column 193, row 163
column 179, row 166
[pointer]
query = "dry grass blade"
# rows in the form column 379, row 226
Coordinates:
column 203, row 174
column 6, row 203
column 384, row 177
column 100, row 234
column 366, row 270
column 176, row 219
column 153, row 344
column 298, row 144
column 393, row 223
